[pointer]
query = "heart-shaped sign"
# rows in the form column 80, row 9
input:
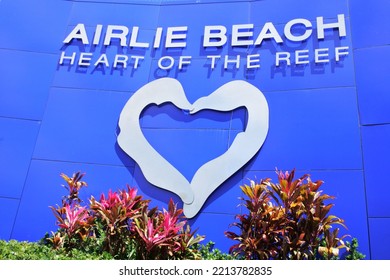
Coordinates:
column 159, row 172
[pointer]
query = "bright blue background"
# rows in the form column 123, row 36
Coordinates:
column 329, row 120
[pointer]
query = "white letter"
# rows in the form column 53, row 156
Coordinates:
column 72, row 58
column 169, row 66
column 183, row 61
column 256, row 60
column 157, row 39
column 340, row 25
column 304, row 36
column 111, row 35
column 213, row 57
column 77, row 33
column 121, row 58
column 137, row 58
column 84, row 60
column 98, row 33
column 285, row 58
column 236, row 61
column 268, row 32
column 318, row 55
column 102, row 59
column 220, row 35
column 236, row 34
column 133, row 39
column 180, row 36
column 301, row 54
column 339, row 52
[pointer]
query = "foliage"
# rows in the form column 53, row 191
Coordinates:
column 286, row 221
column 121, row 224
column 353, row 252
column 162, row 235
column 208, row 252
column 74, row 220
column 15, row 250
column 115, row 216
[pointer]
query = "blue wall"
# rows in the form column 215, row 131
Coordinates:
column 330, row 119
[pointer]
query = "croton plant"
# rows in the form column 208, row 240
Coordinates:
column 286, row 220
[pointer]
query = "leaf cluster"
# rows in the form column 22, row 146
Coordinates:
column 290, row 219
column 286, row 220
column 122, row 225
column 209, row 252
column 16, row 250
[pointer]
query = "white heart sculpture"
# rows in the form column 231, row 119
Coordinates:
column 159, row 172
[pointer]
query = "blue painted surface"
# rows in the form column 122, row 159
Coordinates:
column 376, row 159
column 329, row 119
column 168, row 116
column 80, row 125
column 128, row 15
column 152, row 2
column 374, row 98
column 213, row 14
column 198, row 79
column 228, row 191
column 368, row 22
column 44, row 188
column 213, row 226
column 17, row 140
column 334, row 73
column 380, row 245
column 310, row 130
column 101, row 77
column 184, row 148
column 304, row 8
column 25, row 82
column 34, row 25
column 159, row 197
column 8, row 208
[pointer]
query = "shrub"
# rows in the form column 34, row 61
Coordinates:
column 122, row 225
column 162, row 235
column 75, row 221
column 115, row 216
column 15, row 250
column 286, row 220
column 208, row 252
column 353, row 252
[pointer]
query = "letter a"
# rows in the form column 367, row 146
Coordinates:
column 77, row 33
